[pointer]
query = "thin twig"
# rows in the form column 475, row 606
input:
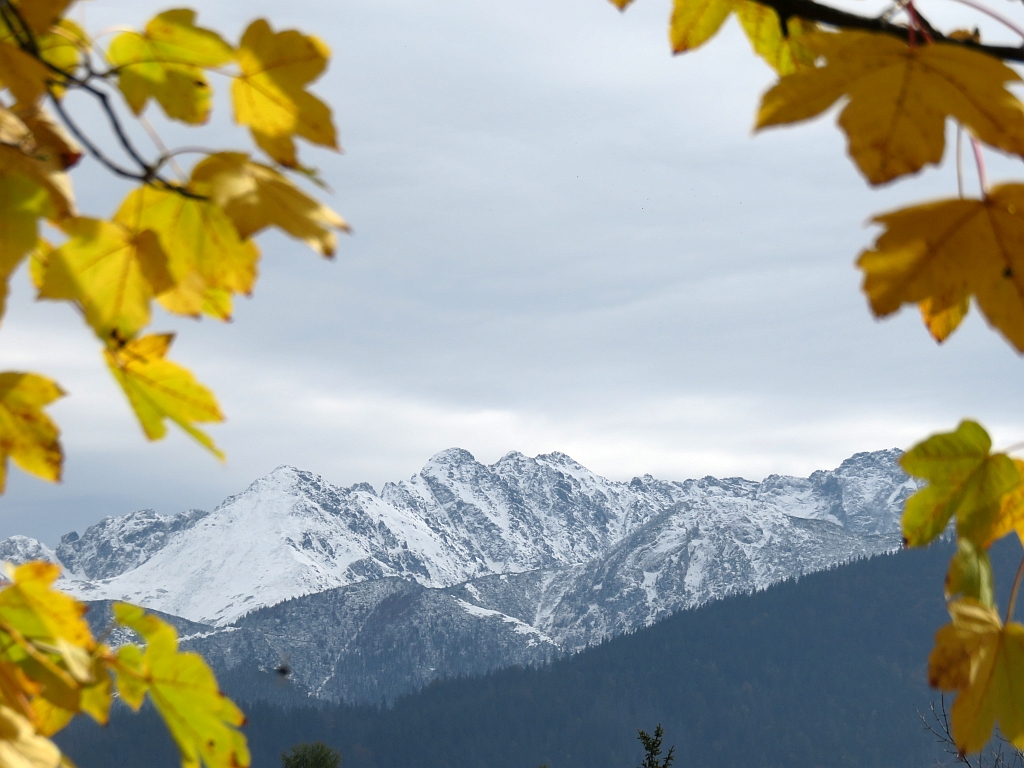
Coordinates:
column 989, row 12
column 165, row 154
column 960, row 160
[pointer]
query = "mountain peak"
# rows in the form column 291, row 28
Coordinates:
column 292, row 533
column 451, row 457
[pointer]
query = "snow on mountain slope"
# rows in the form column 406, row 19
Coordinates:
column 291, row 533
column 21, row 549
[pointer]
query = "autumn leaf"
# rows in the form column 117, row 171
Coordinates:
column 46, row 636
column 48, row 141
column 21, row 746
column 27, row 435
column 983, row 661
column 694, row 22
column 22, row 203
column 22, row 74
column 165, row 62
column 207, row 259
column 112, row 272
column 40, row 15
column 943, row 314
column 201, row 718
column 964, row 479
column 1011, row 511
column 255, row 196
column 270, row 95
column 783, row 53
column 970, row 574
column 898, row 99
column 945, row 251
column 159, row 389
column 130, row 668
column 31, row 605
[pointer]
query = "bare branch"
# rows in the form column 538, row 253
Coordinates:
column 834, row 17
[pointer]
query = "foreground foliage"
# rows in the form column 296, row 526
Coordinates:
column 52, row 668
column 899, row 80
column 181, row 241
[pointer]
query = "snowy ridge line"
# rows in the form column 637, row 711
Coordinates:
column 293, row 535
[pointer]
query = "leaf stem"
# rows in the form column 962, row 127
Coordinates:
column 1013, row 594
column 918, row 23
column 960, row 160
column 979, row 160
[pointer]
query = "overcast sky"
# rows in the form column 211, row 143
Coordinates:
column 565, row 239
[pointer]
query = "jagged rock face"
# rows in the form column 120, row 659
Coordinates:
column 466, row 568
column 376, row 640
column 292, row 533
column 116, row 545
column 21, row 549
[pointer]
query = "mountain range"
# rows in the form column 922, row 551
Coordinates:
column 464, row 568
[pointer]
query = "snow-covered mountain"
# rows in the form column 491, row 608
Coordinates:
column 465, row 567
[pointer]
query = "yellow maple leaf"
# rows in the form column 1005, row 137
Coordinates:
column 48, row 141
column 63, row 47
column 201, row 718
column 21, row 746
column 205, row 254
column 130, row 668
column 964, row 479
column 943, row 314
column 970, row 574
column 22, row 74
column 43, row 158
column 1011, row 512
column 255, row 196
column 27, row 435
column 159, row 389
column 694, row 22
column 40, row 15
column 783, row 53
column 22, row 203
column 93, row 697
column 112, row 272
column 948, row 250
column 983, row 661
column 48, row 717
column 31, row 605
column 166, row 62
column 899, row 98
column 46, row 636
column 270, row 97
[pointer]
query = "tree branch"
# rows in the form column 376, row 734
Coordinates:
column 148, row 173
column 834, row 17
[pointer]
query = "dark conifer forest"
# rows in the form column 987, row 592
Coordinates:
column 826, row 670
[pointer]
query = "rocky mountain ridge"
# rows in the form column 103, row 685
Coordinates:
column 465, row 567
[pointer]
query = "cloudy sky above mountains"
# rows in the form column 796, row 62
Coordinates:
column 565, row 239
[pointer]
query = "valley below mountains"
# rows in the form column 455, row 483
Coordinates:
column 464, row 568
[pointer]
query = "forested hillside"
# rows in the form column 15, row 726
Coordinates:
column 824, row 671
